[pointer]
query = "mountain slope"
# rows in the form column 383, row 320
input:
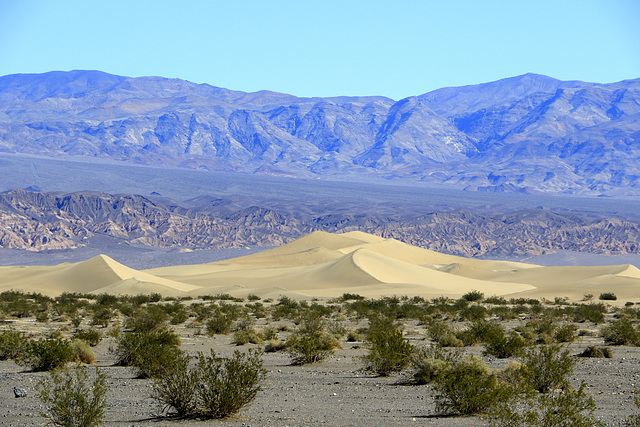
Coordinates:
column 525, row 133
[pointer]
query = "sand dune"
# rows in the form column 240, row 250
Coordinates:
column 327, row 265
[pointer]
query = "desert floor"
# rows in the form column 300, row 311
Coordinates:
column 335, row 392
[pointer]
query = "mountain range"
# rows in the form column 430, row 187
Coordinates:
column 48, row 221
column 529, row 133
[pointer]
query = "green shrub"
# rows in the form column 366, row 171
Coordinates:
column 587, row 312
column 47, row 354
column 480, row 331
column 468, row 387
column 219, row 324
column 572, row 408
column 546, row 368
column 430, row 362
column 151, row 352
column 12, row 344
column 473, row 296
column 443, row 334
column 42, row 317
column 102, row 316
column 71, row 400
column 389, row 351
column 620, row 332
column 175, row 389
column 147, row 318
column 179, row 317
column 608, row 296
column 565, row 333
column 502, row 346
column 246, row 333
column 90, row 336
column 216, row 388
column 310, row 348
column 226, row 385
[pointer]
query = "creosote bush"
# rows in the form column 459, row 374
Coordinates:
column 149, row 351
column 608, row 296
column 468, row 387
column 215, row 388
column 389, row 351
column 12, row 344
column 621, row 332
column 47, row 354
column 546, row 368
column 567, row 408
column 311, row 343
column 72, row 400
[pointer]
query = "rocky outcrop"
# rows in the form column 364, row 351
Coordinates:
column 44, row 221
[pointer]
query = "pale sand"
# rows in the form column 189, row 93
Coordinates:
column 324, row 265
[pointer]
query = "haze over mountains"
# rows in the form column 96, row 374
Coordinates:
column 529, row 133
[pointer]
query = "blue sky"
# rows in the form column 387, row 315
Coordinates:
column 326, row 48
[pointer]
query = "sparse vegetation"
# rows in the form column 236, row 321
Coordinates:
column 216, row 388
column 72, row 400
column 389, row 351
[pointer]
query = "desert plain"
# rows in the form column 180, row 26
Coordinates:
column 318, row 269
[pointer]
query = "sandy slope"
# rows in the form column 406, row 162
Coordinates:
column 328, row 265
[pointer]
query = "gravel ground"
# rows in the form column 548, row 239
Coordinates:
column 332, row 393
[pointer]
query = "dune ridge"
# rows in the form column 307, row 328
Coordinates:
column 325, row 265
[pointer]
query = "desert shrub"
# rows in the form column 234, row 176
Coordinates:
column 430, row 362
column 175, row 389
column 546, row 368
column 246, row 333
column 253, row 297
column 588, row 312
column 443, row 334
column 620, row 332
column 12, row 344
column 311, row 343
column 499, row 344
column 473, row 312
column 595, row 351
column 179, row 317
column 47, row 354
column 336, row 329
column 567, row 408
column 82, row 352
column 565, row 333
column 473, row 296
column 90, row 336
column 42, row 317
column 389, row 351
column 72, row 400
column 608, row 296
column 468, row 387
column 146, row 318
column 495, row 300
column 102, row 316
column 503, row 313
column 216, row 388
column 219, row 324
column 286, row 308
column 226, row 385
column 150, row 352
column 479, row 331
